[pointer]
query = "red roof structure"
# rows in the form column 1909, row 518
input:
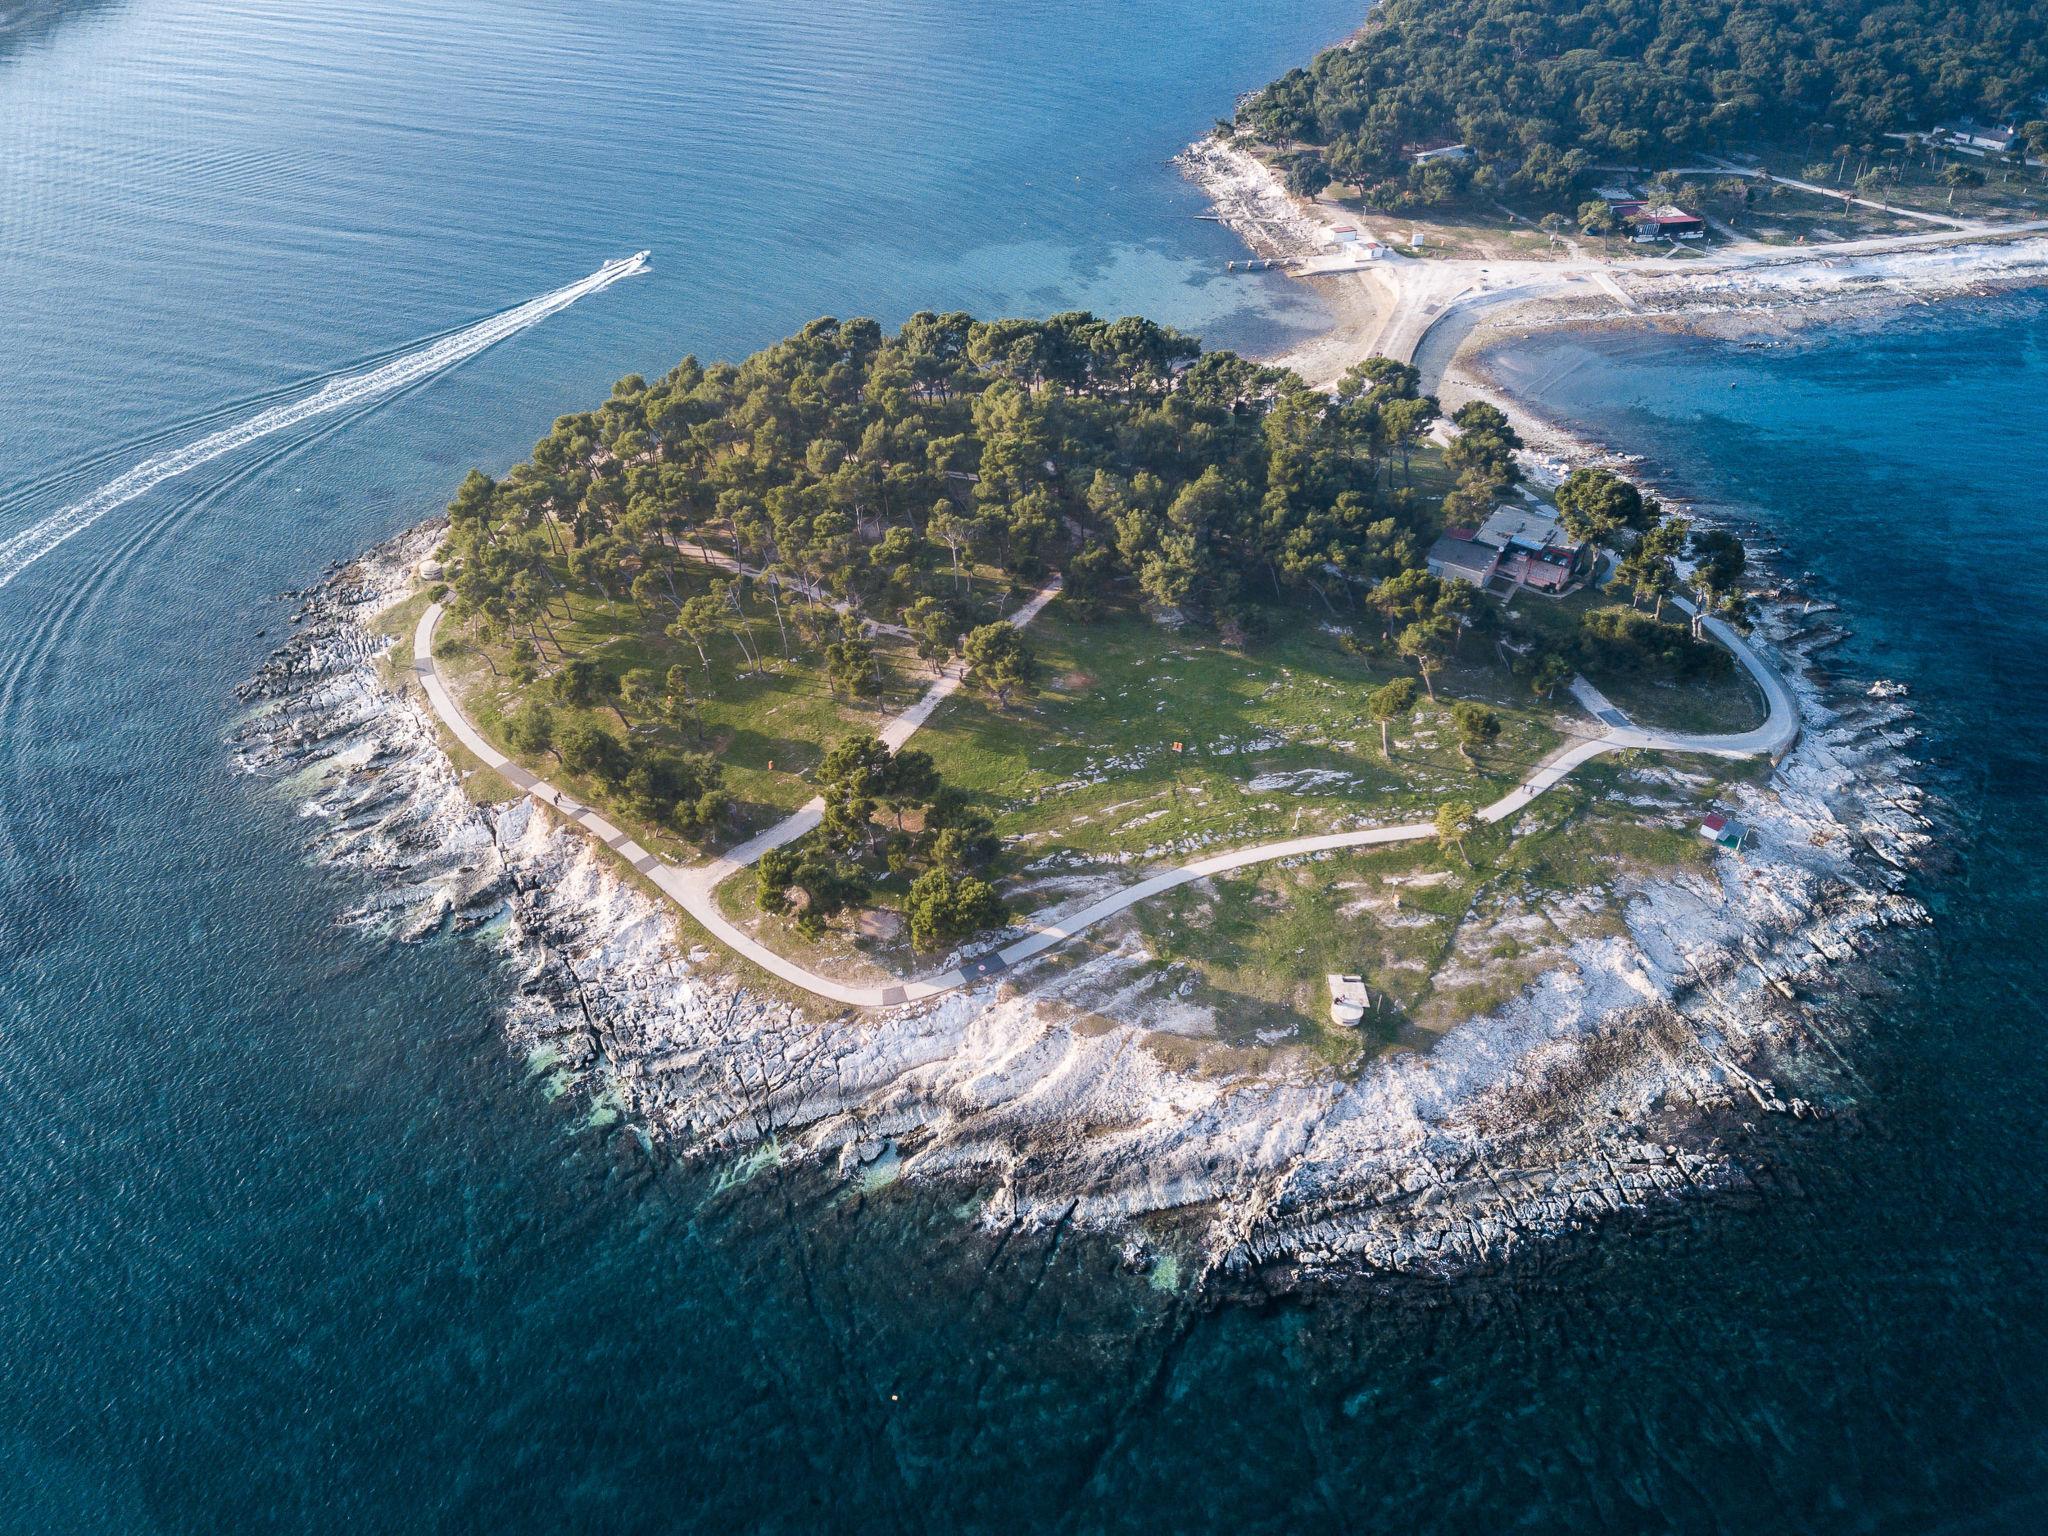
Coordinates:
column 1669, row 219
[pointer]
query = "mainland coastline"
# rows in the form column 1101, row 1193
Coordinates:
column 1616, row 1080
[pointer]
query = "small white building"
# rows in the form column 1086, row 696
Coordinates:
column 1972, row 134
column 1350, row 244
column 1423, row 154
column 1349, row 1001
column 1724, row 832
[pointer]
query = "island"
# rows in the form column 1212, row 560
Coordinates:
column 1309, row 814
column 707, row 619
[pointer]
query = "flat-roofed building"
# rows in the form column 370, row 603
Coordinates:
column 1436, row 149
column 1526, row 546
column 1458, row 556
column 1621, row 202
column 1669, row 222
column 1975, row 135
column 1525, row 527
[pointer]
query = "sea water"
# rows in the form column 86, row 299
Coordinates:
column 295, row 1241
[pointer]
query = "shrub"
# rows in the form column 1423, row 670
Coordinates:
column 1629, row 640
column 590, row 749
column 944, row 907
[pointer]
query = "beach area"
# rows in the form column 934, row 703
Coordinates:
column 1661, row 1017
column 1446, row 315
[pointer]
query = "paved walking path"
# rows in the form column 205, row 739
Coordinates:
column 693, row 888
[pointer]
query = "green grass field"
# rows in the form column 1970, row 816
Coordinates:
column 768, row 728
column 1082, row 776
column 1275, row 742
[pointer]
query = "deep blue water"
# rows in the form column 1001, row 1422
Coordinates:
column 291, row 1241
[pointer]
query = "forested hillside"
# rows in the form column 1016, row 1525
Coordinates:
column 1544, row 90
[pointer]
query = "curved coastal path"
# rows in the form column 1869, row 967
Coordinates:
column 693, row 888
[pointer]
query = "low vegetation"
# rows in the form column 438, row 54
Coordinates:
column 1143, row 743
column 1439, row 934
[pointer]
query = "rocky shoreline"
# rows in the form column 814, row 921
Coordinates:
column 1608, row 1085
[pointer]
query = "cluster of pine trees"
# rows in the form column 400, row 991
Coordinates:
column 845, row 479
column 898, row 477
column 942, row 858
column 1544, row 90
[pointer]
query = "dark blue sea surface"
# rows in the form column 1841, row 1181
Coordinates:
column 293, row 1242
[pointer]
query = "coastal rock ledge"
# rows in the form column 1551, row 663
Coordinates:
column 1627, row 1075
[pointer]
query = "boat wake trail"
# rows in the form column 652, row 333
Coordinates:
column 21, row 550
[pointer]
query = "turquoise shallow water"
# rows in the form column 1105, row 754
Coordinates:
column 292, row 1240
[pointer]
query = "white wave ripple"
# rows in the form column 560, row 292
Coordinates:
column 21, row 550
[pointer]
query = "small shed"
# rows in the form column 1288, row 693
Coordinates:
column 1723, row 832
column 1349, row 1001
column 1669, row 222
